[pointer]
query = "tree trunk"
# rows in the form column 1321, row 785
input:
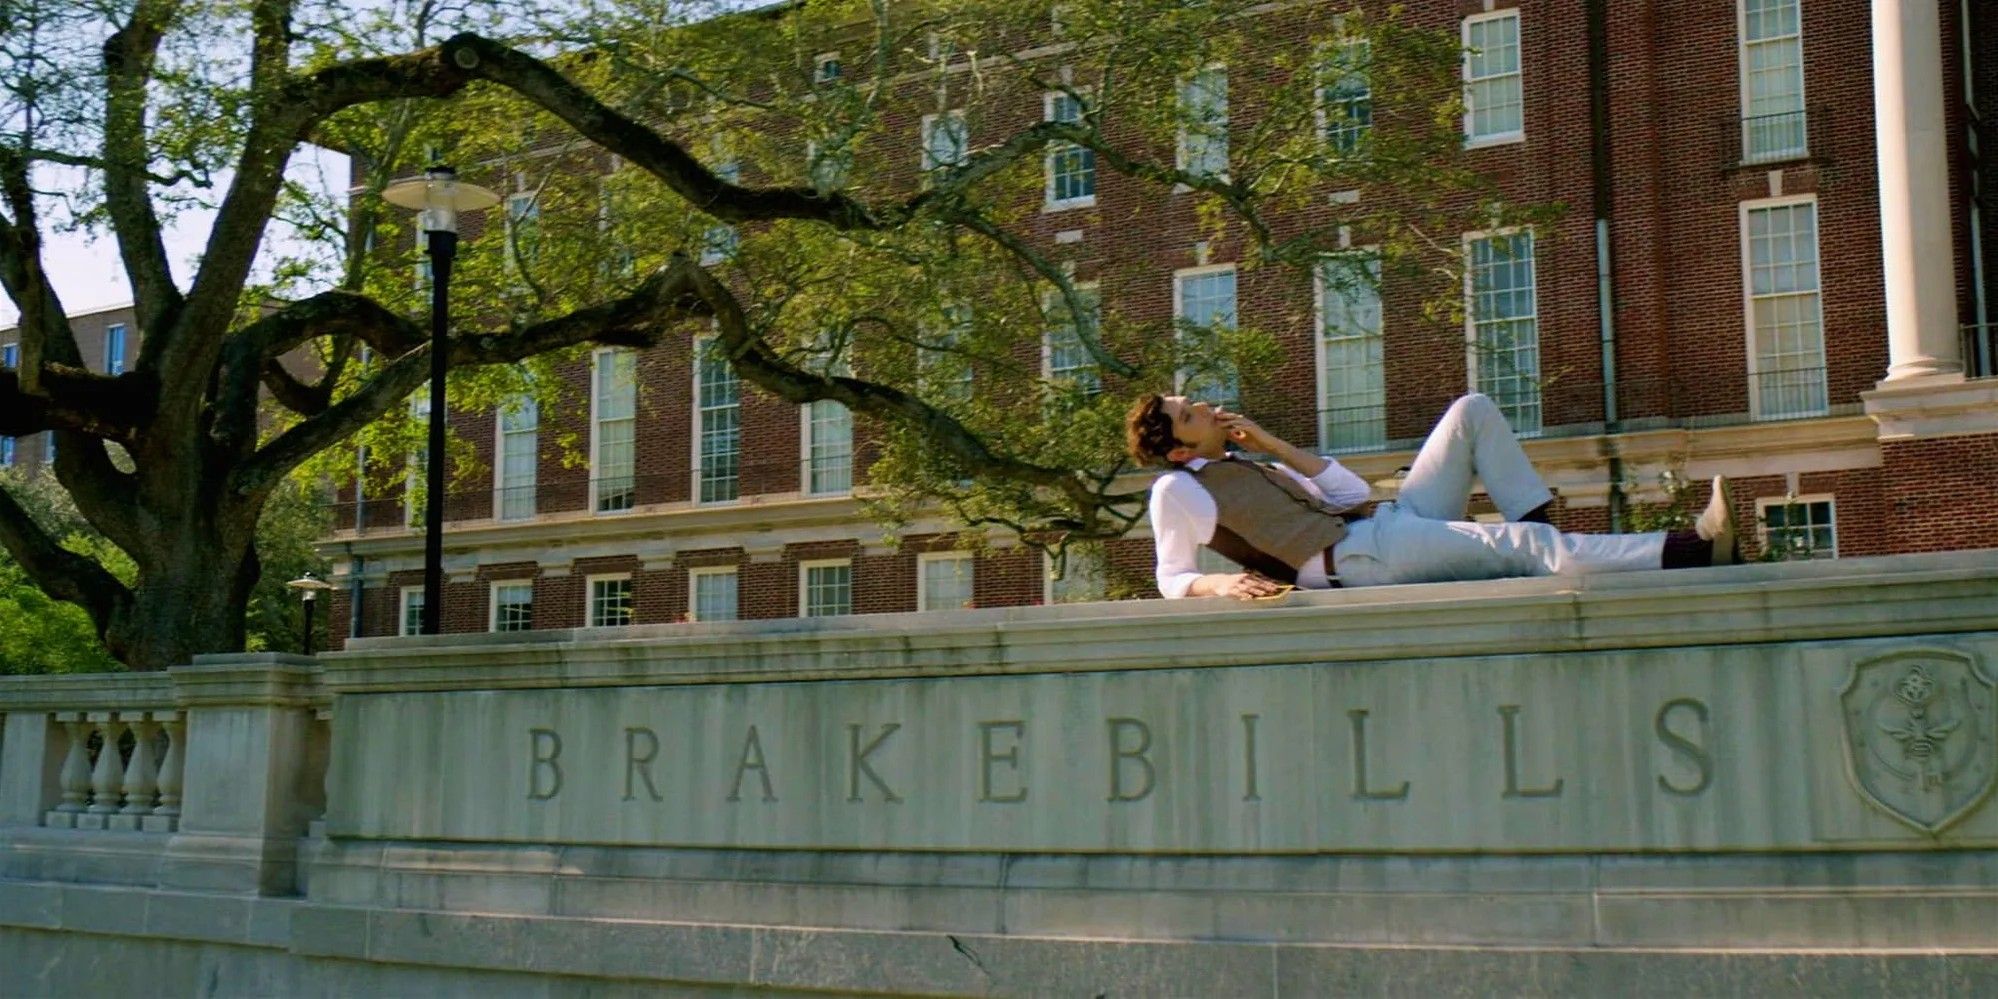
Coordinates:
column 191, row 594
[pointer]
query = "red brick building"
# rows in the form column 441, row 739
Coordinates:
column 1759, row 275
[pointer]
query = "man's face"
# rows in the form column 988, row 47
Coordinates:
column 1193, row 424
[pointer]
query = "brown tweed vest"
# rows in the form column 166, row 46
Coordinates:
column 1265, row 520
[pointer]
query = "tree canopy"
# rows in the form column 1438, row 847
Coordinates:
column 849, row 198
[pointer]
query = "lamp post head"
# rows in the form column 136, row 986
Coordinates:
column 438, row 196
column 308, row 586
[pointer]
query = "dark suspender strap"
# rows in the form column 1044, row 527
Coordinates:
column 1233, row 548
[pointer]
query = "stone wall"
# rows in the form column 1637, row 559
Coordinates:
column 1766, row 778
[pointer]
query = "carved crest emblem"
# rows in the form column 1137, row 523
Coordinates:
column 1921, row 735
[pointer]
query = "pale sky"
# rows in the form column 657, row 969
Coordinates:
column 89, row 275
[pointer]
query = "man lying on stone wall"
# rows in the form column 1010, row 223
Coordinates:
column 1288, row 523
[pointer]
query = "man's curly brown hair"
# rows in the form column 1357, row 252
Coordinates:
column 1148, row 432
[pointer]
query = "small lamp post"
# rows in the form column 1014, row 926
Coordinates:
column 437, row 197
column 308, row 587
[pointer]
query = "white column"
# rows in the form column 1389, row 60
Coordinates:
column 1922, row 337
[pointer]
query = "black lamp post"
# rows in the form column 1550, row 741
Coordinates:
column 308, row 587
column 438, row 197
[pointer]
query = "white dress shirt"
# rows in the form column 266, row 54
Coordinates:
column 1183, row 517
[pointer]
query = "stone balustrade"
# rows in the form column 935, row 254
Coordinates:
column 171, row 760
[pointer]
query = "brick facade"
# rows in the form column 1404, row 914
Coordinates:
column 1683, row 354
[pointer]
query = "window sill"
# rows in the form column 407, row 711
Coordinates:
column 1489, row 141
column 1062, row 206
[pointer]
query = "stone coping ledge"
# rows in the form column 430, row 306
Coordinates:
column 1842, row 598
column 934, row 963
column 236, row 679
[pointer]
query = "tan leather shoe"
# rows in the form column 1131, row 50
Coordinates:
column 1716, row 524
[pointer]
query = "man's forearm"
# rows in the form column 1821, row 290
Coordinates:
column 1303, row 462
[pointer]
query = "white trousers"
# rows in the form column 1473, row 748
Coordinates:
column 1472, row 440
column 1397, row 546
column 1422, row 537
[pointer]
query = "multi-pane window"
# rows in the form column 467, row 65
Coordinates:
column 945, row 582
column 1352, row 389
column 114, row 349
column 711, row 594
column 1069, row 361
column 828, row 447
column 826, row 588
column 614, row 430
column 1772, row 80
column 1071, row 169
column 1798, row 527
column 1505, row 326
column 1203, row 123
column 610, row 601
column 828, row 430
column 10, row 355
column 1786, row 327
column 412, row 611
column 1204, row 306
column 1494, row 105
column 1347, row 97
column 944, row 372
column 517, row 452
column 513, row 605
column 415, row 480
column 827, row 68
column 1084, row 578
column 717, row 425
column 719, row 241
column 945, row 140
column 523, row 227
column 827, row 164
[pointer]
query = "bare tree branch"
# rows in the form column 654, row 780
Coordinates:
column 128, row 69
column 102, row 406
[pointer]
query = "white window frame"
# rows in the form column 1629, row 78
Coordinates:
column 1803, row 93
column 1472, row 141
column 957, row 319
column 403, row 628
column 703, row 344
column 1052, row 301
column 500, row 434
column 805, row 568
column 1322, row 65
column 842, row 165
column 590, row 598
column 1755, row 402
column 1471, row 323
column 839, row 365
column 1763, row 503
column 492, row 603
column 1179, row 277
column 925, row 559
column 514, row 216
column 414, row 469
column 930, row 163
column 1182, row 146
column 720, row 241
column 1320, row 297
column 823, row 60
column 596, row 372
column 115, row 333
column 694, row 589
column 1049, row 203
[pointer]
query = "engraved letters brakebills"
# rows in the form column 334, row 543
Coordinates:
column 1135, row 765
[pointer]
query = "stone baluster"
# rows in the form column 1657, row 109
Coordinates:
column 166, row 815
column 141, row 776
column 75, row 774
column 108, row 779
